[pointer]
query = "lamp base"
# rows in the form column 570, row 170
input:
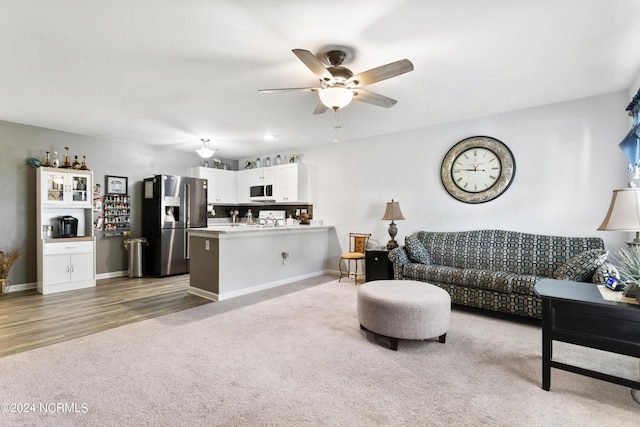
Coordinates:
column 393, row 230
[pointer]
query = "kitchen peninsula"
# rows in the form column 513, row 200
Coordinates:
column 232, row 260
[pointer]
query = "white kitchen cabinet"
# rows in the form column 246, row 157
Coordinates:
column 68, row 263
column 65, row 187
column 243, row 182
column 262, row 176
column 221, row 184
column 290, row 183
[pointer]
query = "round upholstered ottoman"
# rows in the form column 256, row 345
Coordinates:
column 404, row 309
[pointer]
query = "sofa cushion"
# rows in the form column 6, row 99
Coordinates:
column 485, row 279
column 416, row 250
column 524, row 283
column 428, row 273
column 582, row 266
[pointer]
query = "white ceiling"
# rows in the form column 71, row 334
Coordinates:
column 170, row 72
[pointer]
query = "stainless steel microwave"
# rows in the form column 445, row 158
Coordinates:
column 261, row 192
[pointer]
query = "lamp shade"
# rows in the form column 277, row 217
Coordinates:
column 336, row 97
column 393, row 211
column 624, row 211
column 204, row 151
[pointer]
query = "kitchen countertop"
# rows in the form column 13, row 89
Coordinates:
column 245, row 228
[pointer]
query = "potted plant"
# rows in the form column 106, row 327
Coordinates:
column 629, row 264
column 7, row 259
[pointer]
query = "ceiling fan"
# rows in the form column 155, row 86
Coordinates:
column 338, row 85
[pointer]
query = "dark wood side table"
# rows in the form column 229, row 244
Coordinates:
column 576, row 313
column 377, row 265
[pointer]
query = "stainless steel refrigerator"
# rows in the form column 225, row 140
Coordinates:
column 171, row 205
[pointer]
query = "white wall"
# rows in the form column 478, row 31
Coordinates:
column 567, row 164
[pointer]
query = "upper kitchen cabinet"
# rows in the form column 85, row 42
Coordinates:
column 290, row 183
column 65, row 187
column 262, row 176
column 221, row 184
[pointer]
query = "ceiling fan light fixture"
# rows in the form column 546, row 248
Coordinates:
column 335, row 97
column 204, row 151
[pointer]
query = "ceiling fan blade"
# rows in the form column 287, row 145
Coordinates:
column 373, row 98
column 382, row 72
column 314, row 64
column 320, row 108
column 291, row 89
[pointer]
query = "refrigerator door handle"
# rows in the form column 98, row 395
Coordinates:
column 186, row 244
column 187, row 202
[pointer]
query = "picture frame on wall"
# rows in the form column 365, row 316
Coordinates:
column 116, row 184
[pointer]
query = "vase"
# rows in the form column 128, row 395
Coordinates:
column 3, row 286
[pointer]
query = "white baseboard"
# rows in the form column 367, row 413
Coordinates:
column 21, row 287
column 111, row 274
column 28, row 286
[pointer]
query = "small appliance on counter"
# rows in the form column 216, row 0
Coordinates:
column 67, row 226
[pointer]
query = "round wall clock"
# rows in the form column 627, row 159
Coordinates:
column 477, row 169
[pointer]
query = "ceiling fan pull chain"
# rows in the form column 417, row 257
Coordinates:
column 336, row 126
column 336, row 120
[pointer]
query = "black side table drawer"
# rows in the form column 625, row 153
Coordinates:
column 377, row 265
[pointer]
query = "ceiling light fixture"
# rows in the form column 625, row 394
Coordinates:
column 335, row 97
column 204, row 151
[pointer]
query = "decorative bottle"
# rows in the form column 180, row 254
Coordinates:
column 66, row 163
column 76, row 163
column 267, row 162
column 46, row 161
column 278, row 160
column 55, row 162
column 258, row 162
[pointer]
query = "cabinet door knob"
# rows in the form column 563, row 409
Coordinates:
column 375, row 259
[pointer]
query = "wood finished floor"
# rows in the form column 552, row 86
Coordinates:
column 29, row 320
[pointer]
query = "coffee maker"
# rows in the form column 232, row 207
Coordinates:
column 67, row 226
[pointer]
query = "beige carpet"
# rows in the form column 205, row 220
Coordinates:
column 296, row 356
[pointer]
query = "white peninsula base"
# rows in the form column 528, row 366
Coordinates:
column 227, row 262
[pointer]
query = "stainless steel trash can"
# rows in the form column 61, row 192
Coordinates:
column 134, row 246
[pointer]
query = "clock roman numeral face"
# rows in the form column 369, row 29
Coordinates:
column 476, row 170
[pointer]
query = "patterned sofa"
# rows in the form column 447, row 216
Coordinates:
column 496, row 269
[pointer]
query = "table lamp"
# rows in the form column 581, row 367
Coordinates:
column 392, row 213
column 624, row 213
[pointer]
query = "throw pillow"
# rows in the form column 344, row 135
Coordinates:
column 582, row 266
column 605, row 271
column 416, row 250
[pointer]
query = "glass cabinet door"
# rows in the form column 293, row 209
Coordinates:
column 54, row 187
column 80, row 187
column 66, row 188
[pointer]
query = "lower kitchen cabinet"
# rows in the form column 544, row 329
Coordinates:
column 377, row 265
column 66, row 266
